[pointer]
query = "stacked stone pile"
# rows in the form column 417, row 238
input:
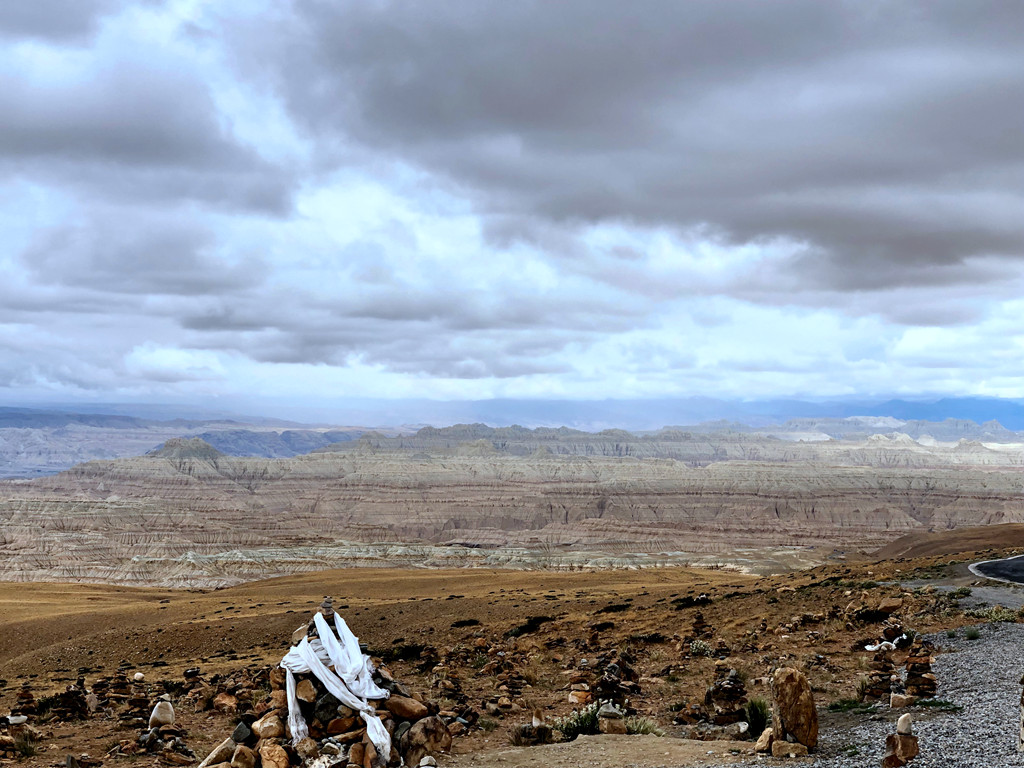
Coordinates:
column 136, row 714
column 12, row 731
column 25, row 703
column 726, row 698
column 920, row 682
column 701, row 629
column 69, row 704
column 337, row 734
column 878, row 682
column 900, row 747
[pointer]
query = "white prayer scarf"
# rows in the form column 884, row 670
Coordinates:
column 351, row 682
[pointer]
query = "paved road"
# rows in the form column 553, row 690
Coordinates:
column 1011, row 569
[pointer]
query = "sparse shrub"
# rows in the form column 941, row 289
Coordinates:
column 972, row 633
column 700, row 648
column 994, row 614
column 951, row 633
column 25, row 745
column 532, row 624
column 849, row 705
column 862, row 688
column 642, row 726
column 579, row 722
column 939, row 704
column 759, row 714
column 959, row 593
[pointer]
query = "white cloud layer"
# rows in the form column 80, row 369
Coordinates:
column 482, row 199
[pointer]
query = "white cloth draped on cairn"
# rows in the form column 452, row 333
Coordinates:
column 351, row 682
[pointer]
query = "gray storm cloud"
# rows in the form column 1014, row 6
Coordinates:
column 656, row 192
column 885, row 136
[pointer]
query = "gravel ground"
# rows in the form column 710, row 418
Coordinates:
column 982, row 676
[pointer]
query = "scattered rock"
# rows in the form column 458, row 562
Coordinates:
column 274, row 756
column 764, row 741
column 428, row 736
column 905, row 725
column 243, row 757
column 788, row 749
column 269, row 727
column 222, row 753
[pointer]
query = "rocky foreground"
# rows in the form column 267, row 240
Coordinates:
column 683, row 652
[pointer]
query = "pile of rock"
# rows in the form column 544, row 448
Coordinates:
column 616, row 685
column 337, row 734
column 15, row 731
column 900, row 747
column 878, row 682
column 920, row 682
column 25, row 703
column 726, row 697
column 69, row 704
column 136, row 715
column 163, row 737
column 701, row 629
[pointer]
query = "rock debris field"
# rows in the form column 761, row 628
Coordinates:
column 982, row 676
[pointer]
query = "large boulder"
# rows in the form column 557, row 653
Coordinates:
column 794, row 717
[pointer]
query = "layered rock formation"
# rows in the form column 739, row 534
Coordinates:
column 188, row 514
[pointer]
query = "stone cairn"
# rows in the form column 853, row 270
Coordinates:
column 726, row 698
column 878, row 683
column 701, row 629
column 25, row 701
column 69, row 704
column 920, row 682
column 337, row 735
column 900, row 747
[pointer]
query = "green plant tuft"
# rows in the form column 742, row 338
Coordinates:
column 641, row 726
column 759, row 714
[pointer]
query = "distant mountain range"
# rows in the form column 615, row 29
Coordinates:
column 36, row 441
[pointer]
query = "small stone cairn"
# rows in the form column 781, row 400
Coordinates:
column 920, row 682
column 337, row 735
column 900, row 747
column 701, row 629
column 879, row 679
column 25, row 703
column 726, row 697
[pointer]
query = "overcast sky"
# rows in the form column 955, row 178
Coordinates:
column 477, row 199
